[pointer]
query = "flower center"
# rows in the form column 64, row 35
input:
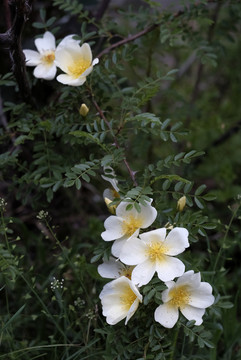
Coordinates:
column 127, row 271
column 127, row 298
column 180, row 296
column 78, row 67
column 156, row 251
column 48, row 58
column 131, row 225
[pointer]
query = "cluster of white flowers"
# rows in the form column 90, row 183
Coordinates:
column 74, row 60
column 138, row 258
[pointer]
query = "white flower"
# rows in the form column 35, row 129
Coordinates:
column 188, row 294
column 126, row 224
column 76, row 62
column 120, row 299
column 44, row 58
column 113, row 269
column 154, row 252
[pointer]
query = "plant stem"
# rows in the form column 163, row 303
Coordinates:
column 174, row 342
column 131, row 172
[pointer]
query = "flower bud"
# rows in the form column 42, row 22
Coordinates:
column 181, row 203
column 111, row 208
column 84, row 110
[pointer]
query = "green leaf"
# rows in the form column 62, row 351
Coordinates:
column 198, row 203
column 78, row 184
column 200, row 189
column 13, row 317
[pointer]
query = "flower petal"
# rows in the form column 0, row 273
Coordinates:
column 202, row 297
column 112, row 295
column 32, row 57
column 110, row 269
column 47, row 42
column 95, row 61
column 143, row 273
column 68, row 80
column 189, row 278
column 132, row 310
column 133, row 252
column 169, row 268
column 67, row 40
column 157, row 235
column 166, row 315
column 117, row 247
column 177, row 241
column 86, row 53
column 114, row 228
column 193, row 313
column 45, row 72
column 63, row 58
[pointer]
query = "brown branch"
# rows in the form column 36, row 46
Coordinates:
column 127, row 40
column 131, row 172
column 12, row 40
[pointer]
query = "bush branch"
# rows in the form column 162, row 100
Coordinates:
column 11, row 39
column 131, row 172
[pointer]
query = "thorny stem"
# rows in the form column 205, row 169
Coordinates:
column 131, row 172
column 11, row 40
column 127, row 40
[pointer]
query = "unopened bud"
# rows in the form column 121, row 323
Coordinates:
column 84, row 110
column 111, row 208
column 181, row 203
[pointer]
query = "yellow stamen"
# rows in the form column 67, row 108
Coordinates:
column 48, row 58
column 78, row 67
column 180, row 296
column 131, row 225
column 156, row 251
column 128, row 298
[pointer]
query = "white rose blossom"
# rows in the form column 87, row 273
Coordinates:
column 189, row 295
column 113, row 269
column 76, row 62
column 120, row 299
column 154, row 252
column 126, row 224
column 44, row 58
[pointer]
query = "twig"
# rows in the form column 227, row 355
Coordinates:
column 131, row 172
column 12, row 40
column 201, row 67
column 102, row 9
column 128, row 39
